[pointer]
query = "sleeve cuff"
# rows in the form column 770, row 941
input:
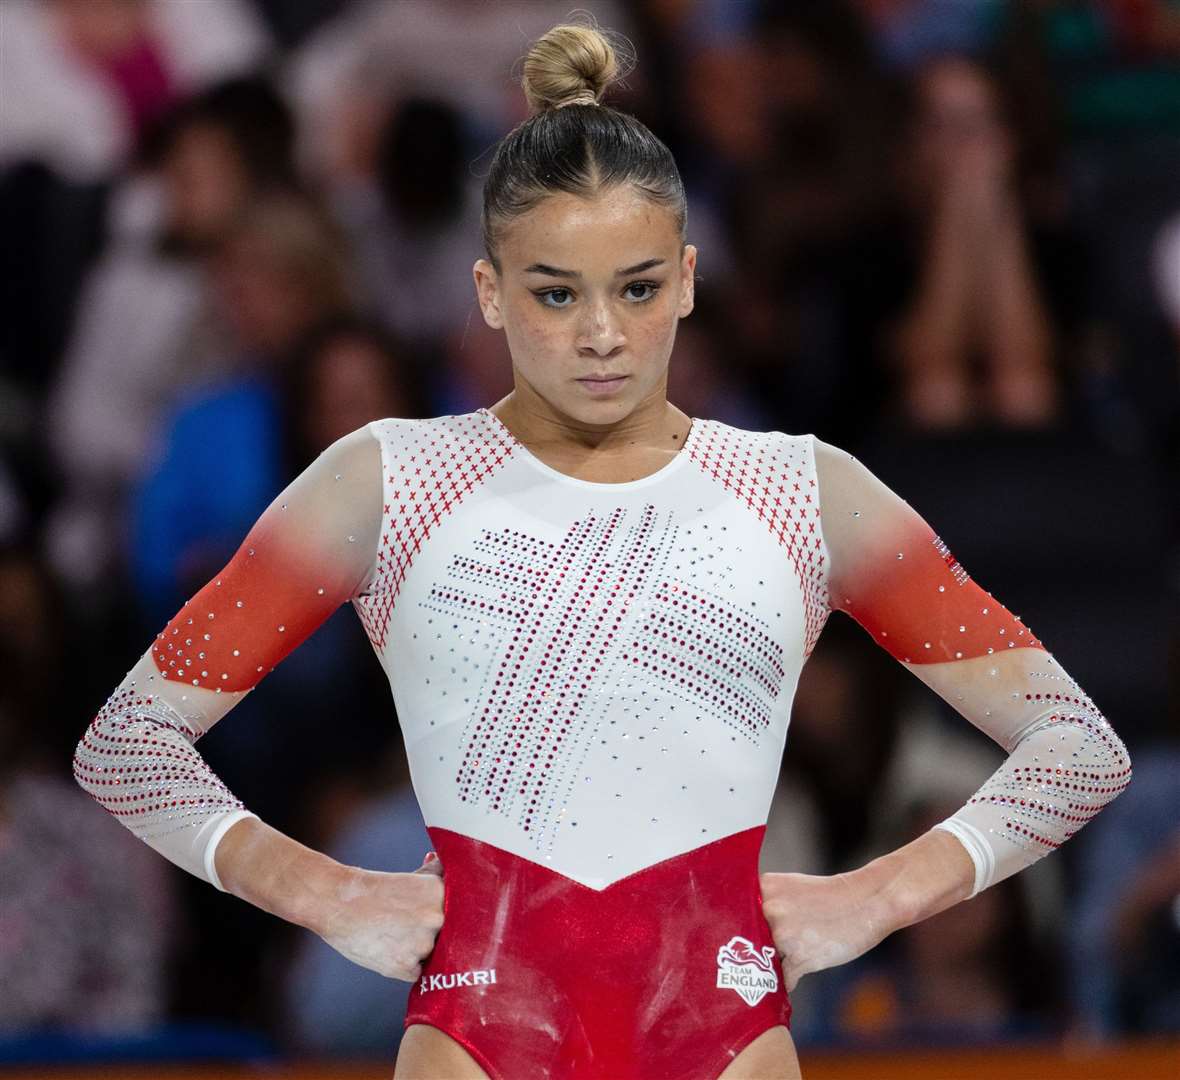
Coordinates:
column 977, row 847
column 219, row 830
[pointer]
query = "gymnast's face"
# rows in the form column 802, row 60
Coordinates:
column 589, row 293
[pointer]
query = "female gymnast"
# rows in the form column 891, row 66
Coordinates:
column 593, row 611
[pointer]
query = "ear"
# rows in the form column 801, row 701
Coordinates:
column 487, row 290
column 688, row 268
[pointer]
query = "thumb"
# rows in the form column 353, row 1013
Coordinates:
column 432, row 864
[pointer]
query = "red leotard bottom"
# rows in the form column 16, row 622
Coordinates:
column 539, row 976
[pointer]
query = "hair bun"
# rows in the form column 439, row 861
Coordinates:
column 569, row 65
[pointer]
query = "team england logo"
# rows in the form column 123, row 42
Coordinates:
column 748, row 970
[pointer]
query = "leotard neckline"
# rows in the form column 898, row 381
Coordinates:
column 664, row 472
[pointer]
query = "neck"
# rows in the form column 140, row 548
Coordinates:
column 655, row 423
column 636, row 446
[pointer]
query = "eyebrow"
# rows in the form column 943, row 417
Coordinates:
column 552, row 271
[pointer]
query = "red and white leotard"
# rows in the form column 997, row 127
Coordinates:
column 594, row 683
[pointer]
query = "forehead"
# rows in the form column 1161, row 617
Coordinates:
column 574, row 232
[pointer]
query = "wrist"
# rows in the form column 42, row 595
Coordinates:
column 886, row 907
column 314, row 885
column 926, row 876
column 268, row 869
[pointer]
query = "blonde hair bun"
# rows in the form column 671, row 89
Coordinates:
column 571, row 64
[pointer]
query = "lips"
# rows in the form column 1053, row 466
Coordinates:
column 602, row 385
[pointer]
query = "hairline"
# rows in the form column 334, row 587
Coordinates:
column 600, row 190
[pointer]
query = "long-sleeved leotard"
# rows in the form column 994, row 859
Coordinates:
column 594, row 683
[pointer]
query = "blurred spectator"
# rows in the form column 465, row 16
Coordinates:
column 704, row 86
column 343, row 77
column 976, row 296
column 476, row 368
column 81, row 83
column 82, row 80
column 1113, row 67
column 146, row 331
column 280, row 270
column 86, row 911
column 790, row 220
column 345, row 372
column 414, row 222
column 1124, row 955
column 291, row 23
column 699, row 384
column 1115, row 62
column 909, row 32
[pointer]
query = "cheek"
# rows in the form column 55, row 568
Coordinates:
column 651, row 337
column 663, row 329
column 533, row 338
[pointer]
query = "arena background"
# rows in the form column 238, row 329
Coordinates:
column 944, row 234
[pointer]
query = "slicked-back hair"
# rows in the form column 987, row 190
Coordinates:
column 582, row 150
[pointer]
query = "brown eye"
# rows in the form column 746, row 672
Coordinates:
column 558, row 296
column 651, row 287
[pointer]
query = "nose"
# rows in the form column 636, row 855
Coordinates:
column 599, row 331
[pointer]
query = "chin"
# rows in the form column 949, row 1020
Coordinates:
column 609, row 410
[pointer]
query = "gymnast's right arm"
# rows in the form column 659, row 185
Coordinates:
column 312, row 549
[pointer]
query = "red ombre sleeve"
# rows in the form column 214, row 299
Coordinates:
column 892, row 573
column 311, row 550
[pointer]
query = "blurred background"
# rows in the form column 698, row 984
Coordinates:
column 943, row 234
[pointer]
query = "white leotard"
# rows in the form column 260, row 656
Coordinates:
column 592, row 676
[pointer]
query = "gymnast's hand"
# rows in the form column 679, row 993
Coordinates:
column 386, row 922
column 819, row 922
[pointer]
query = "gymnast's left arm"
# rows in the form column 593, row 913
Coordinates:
column 892, row 573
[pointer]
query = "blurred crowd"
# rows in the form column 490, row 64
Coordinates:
column 943, row 234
